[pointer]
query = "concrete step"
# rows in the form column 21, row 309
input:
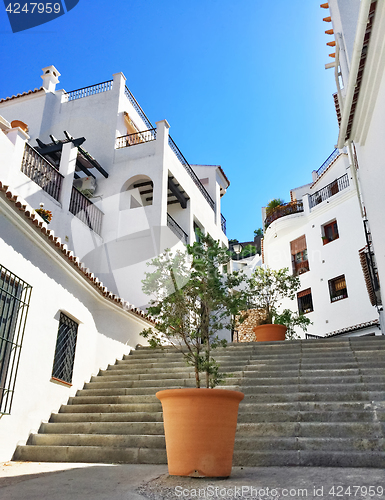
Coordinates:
column 108, row 417
column 309, row 458
column 306, row 416
column 112, row 408
column 319, row 403
column 312, row 396
column 109, row 440
column 368, row 430
column 308, row 444
column 250, row 388
column 138, row 391
column 163, row 367
column 143, row 428
column 90, row 454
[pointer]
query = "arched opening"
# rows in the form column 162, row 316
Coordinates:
column 137, row 192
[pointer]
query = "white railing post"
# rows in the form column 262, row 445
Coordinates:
column 67, row 169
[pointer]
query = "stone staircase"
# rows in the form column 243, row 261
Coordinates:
column 307, row 402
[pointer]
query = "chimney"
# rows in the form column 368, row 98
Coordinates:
column 50, row 78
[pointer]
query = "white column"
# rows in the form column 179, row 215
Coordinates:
column 119, row 84
column 67, row 169
column 305, row 202
column 160, row 192
column 10, row 163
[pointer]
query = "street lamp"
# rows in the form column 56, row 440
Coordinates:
column 237, row 248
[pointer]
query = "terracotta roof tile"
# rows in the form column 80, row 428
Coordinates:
column 21, row 95
column 55, row 241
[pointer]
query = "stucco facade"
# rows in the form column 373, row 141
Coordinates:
column 318, row 236
column 358, row 29
column 148, row 196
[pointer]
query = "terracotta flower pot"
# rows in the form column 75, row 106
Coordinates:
column 200, row 427
column 268, row 333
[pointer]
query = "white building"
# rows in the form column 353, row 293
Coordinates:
column 319, row 236
column 67, row 288
column 142, row 194
column 357, row 34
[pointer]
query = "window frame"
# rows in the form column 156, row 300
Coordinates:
column 335, row 233
column 65, row 349
column 299, row 259
column 301, row 294
column 336, row 296
column 15, row 296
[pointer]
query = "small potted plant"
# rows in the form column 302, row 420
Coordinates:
column 266, row 289
column 46, row 215
column 192, row 302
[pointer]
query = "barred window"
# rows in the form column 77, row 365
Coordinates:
column 305, row 301
column 337, row 288
column 14, row 302
column 63, row 364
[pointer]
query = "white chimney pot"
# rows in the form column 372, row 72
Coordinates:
column 50, row 78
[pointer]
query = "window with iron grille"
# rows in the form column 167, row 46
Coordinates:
column 337, row 288
column 63, row 364
column 305, row 301
column 14, row 302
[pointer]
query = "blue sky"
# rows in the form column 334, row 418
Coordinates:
column 242, row 83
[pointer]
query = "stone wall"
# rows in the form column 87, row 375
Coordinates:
column 245, row 329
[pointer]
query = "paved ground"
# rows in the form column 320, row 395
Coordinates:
column 58, row 481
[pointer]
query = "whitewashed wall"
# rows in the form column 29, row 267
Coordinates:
column 105, row 332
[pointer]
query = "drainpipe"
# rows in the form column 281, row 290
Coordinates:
column 355, row 178
column 357, row 49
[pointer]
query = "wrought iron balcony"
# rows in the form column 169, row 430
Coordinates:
column 137, row 107
column 41, row 171
column 329, row 190
column 137, row 138
column 290, row 208
column 191, row 172
column 328, row 162
column 85, row 210
column 176, row 229
column 223, row 224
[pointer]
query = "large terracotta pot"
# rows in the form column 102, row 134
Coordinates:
column 200, row 427
column 267, row 333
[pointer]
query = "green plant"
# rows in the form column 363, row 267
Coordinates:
column 193, row 301
column 276, row 202
column 266, row 290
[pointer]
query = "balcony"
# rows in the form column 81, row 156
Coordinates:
column 328, row 191
column 293, row 207
column 300, row 267
column 87, row 91
column 176, row 229
column 223, row 224
column 42, row 172
column 86, row 211
column 191, row 172
column 137, row 138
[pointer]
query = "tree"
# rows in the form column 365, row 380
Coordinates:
column 192, row 301
column 266, row 289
